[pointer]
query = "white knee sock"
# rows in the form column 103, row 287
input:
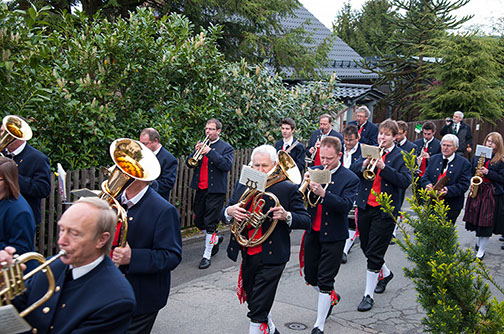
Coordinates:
column 386, row 271
column 394, row 234
column 371, row 282
column 482, row 245
column 254, row 328
column 324, row 303
column 208, row 246
column 271, row 325
column 349, row 242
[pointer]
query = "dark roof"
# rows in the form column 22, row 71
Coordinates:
column 342, row 59
column 357, row 92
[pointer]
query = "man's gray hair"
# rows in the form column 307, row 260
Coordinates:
column 452, row 138
column 363, row 109
column 264, row 150
column 459, row 113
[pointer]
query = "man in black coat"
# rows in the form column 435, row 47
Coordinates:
column 427, row 146
column 324, row 242
column 263, row 265
column 368, row 131
column 402, row 141
column 290, row 145
column 166, row 180
column 460, row 129
column 325, row 124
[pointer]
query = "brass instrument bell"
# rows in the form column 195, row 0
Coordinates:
column 15, row 128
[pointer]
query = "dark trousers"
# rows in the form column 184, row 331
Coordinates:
column 375, row 233
column 142, row 323
column 207, row 208
column 322, row 261
column 260, row 282
column 452, row 215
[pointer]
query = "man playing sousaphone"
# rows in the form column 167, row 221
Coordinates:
column 263, row 264
column 324, row 242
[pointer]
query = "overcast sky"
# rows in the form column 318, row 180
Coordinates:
column 484, row 10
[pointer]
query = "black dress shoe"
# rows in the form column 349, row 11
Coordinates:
column 382, row 284
column 502, row 246
column 215, row 248
column 205, row 263
column 276, row 331
column 338, row 298
column 366, row 304
column 344, row 258
column 501, row 238
column 316, row 330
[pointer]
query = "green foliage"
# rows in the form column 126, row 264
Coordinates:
column 85, row 82
column 449, row 281
column 466, row 79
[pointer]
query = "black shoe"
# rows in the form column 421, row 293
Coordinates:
column 502, row 247
column 215, row 248
column 476, row 247
column 344, row 258
column 392, row 242
column 481, row 257
column 205, row 263
column 382, row 284
column 501, row 238
column 338, row 297
column 316, row 330
column 366, row 304
column 276, row 331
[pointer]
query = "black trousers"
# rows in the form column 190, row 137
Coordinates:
column 375, row 233
column 260, row 282
column 322, row 261
column 142, row 323
column 207, row 208
column 452, row 215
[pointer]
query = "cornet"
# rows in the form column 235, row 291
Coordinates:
column 198, row 155
column 306, row 192
column 13, row 283
column 369, row 173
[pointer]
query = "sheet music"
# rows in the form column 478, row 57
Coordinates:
column 320, row 176
column 369, row 151
column 253, row 178
column 11, row 322
column 480, row 149
column 62, row 182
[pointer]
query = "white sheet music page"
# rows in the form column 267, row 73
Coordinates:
column 480, row 149
column 11, row 322
column 369, row 151
column 320, row 176
column 253, row 178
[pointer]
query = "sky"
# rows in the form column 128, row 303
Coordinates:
column 484, row 10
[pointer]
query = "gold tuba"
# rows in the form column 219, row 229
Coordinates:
column 13, row 283
column 15, row 127
column 476, row 180
column 198, row 155
column 132, row 161
column 369, row 173
column 285, row 169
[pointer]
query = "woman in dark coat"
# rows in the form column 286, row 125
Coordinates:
column 484, row 214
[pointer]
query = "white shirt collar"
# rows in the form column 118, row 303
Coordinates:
column 83, row 270
column 428, row 142
column 335, row 169
column 450, row 158
column 403, row 141
column 288, row 142
column 132, row 201
column 216, row 140
column 159, row 149
column 19, row 149
column 388, row 150
column 352, row 151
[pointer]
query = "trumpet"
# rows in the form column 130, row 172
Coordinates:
column 369, row 173
column 305, row 192
column 311, row 159
column 198, row 155
column 14, row 281
column 476, row 180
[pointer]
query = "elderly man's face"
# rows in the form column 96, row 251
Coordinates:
column 77, row 235
column 448, row 148
column 361, row 117
column 325, row 125
column 456, row 118
column 262, row 163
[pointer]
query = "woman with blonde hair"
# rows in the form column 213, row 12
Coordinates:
column 484, row 213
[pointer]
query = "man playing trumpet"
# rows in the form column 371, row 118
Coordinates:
column 324, row 242
column 210, row 182
column 375, row 226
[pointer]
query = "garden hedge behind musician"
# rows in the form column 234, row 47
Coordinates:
column 263, row 264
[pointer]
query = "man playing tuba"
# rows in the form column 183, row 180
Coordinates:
column 263, row 264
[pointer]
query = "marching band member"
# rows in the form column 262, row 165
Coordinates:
column 402, row 141
column 210, row 182
column 34, row 174
column 289, row 144
column 91, row 294
column 325, row 123
column 368, row 131
column 166, row 180
column 263, row 265
column 324, row 242
column 376, row 226
column 427, row 146
column 17, row 225
column 457, row 168
column 153, row 250
column 483, row 214
column 351, row 152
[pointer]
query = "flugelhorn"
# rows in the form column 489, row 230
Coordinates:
column 198, row 155
column 306, row 192
column 369, row 173
column 13, row 283
column 15, row 128
column 132, row 161
column 477, row 179
column 285, row 169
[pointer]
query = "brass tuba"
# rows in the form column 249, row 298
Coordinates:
column 198, row 155
column 15, row 127
column 285, row 169
column 476, row 180
column 13, row 283
column 132, row 161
